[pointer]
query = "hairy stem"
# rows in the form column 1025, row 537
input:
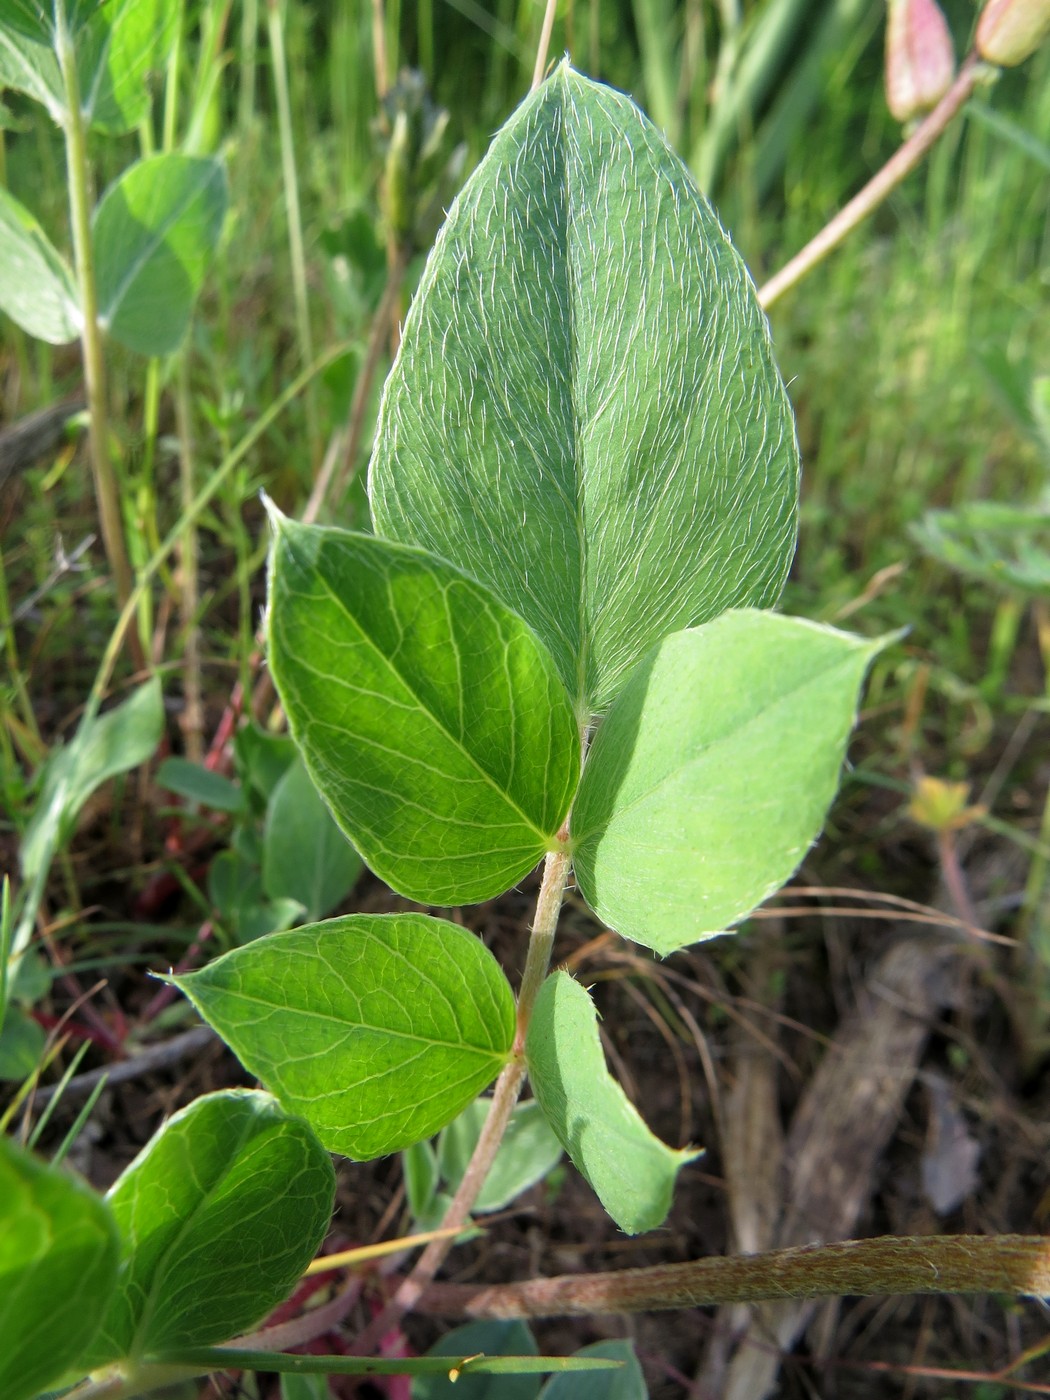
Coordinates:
column 901, row 164
column 103, row 475
column 1017, row 1265
column 504, row 1097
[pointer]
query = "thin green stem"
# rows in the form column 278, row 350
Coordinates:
column 279, row 61
column 900, row 165
column 249, row 46
column 192, row 721
column 78, row 175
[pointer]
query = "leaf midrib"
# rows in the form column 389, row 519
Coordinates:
column 442, row 728
column 461, row 1046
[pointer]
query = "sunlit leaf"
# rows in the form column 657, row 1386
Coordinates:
column 713, row 773
column 377, row 1028
column 219, row 1215
column 430, row 717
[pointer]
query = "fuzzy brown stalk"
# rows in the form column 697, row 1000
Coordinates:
column 1016, row 1265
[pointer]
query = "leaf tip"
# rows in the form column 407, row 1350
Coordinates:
column 276, row 516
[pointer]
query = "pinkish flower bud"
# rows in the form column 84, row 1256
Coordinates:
column 1009, row 31
column 920, row 58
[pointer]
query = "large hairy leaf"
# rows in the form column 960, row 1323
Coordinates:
column 584, row 413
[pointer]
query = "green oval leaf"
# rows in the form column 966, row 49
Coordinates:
column 377, row 1028
column 155, row 232
column 430, row 717
column 36, row 284
column 631, row 1171
column 585, row 413
column 219, row 1215
column 199, row 784
column 713, row 774
column 58, row 1266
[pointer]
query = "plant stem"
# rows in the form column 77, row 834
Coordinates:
column 249, row 42
column 901, row 164
column 1017, row 1265
column 346, row 456
column 192, row 721
column 90, row 336
column 504, row 1097
column 544, row 44
column 279, row 61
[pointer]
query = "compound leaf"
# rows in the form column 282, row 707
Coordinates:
column 632, row 1172
column 377, row 1028
column 219, row 1215
column 713, row 773
column 585, row 413
column 430, row 717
